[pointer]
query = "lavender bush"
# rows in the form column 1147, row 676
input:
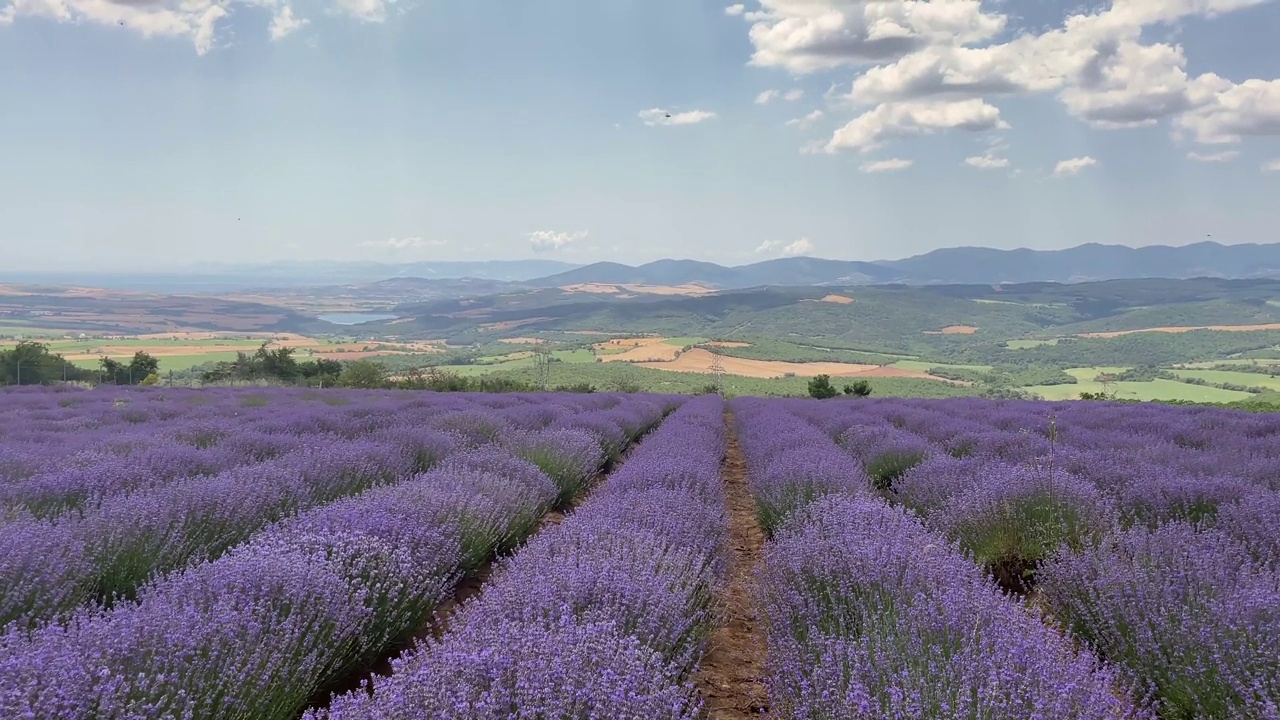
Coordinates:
column 871, row 615
column 1183, row 611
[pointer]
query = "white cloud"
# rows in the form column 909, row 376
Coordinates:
column 802, row 246
column 1218, row 157
column 659, row 116
column 550, row 240
column 889, row 165
column 735, row 10
column 894, row 120
column 1073, row 166
column 196, row 20
column 285, row 22
column 987, row 162
column 403, row 243
column 1271, row 165
column 199, row 21
column 768, row 96
column 1102, row 67
column 807, row 120
column 810, row 35
column 1249, row 108
column 363, row 10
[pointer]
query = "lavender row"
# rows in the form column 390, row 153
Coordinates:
column 258, row 632
column 49, row 567
column 790, row 463
column 871, row 614
column 120, row 540
column 1164, row 569
column 602, row 616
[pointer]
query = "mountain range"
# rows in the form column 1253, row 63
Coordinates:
column 962, row 265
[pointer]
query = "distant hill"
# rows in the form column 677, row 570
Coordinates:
column 225, row 278
column 964, row 265
column 1090, row 262
column 798, row 271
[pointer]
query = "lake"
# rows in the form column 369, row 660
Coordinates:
column 354, row 318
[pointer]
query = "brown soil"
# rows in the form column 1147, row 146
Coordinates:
column 1011, row 574
column 1227, row 328
column 732, row 672
column 699, row 360
column 842, row 299
column 727, row 344
column 953, row 330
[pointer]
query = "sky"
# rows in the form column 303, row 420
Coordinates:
column 146, row 134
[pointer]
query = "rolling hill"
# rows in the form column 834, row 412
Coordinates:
column 949, row 266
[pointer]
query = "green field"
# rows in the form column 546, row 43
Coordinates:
column 1154, row 390
column 1024, row 344
column 172, row 362
column 615, row 376
column 924, row 366
column 1234, row 378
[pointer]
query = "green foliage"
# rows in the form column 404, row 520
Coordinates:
column 136, row 372
column 363, row 374
column 820, row 387
column 32, row 363
column 861, row 388
column 277, row 365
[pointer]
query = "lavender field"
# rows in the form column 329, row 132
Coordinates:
column 256, row 555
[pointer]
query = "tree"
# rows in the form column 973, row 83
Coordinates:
column 861, row 388
column 366, row 374
column 820, row 387
column 143, row 365
column 139, row 368
column 31, row 363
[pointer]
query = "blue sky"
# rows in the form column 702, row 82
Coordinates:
column 159, row 133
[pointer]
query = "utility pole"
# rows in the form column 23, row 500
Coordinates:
column 19, row 371
column 717, row 372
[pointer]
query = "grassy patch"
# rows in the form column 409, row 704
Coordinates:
column 924, row 366
column 1024, row 344
column 1234, row 378
column 1154, row 390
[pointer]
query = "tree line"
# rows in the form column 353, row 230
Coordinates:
column 34, row 363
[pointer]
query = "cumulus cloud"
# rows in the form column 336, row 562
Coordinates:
column 809, row 35
column 550, row 240
column 1103, row 67
column 889, row 165
column 735, row 10
column 803, row 246
column 895, row 120
column 1218, row 157
column 407, row 243
column 1271, row 165
column 807, row 120
column 1073, row 166
column 659, row 116
column 987, row 162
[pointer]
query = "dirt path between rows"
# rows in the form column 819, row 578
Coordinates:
column 733, row 670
